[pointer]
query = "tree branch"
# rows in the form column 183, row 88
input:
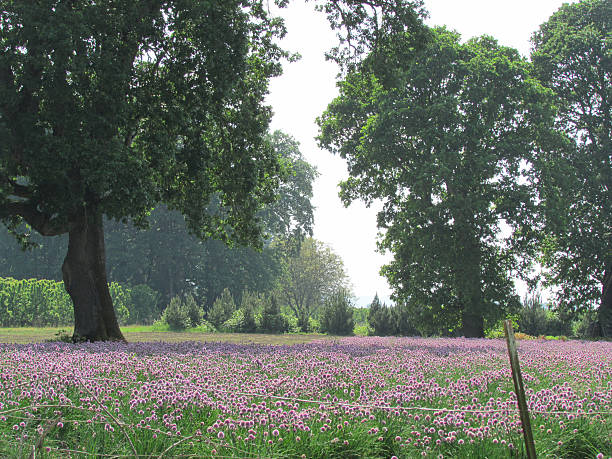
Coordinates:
column 18, row 190
column 45, row 225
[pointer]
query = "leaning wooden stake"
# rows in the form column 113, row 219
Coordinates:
column 519, row 389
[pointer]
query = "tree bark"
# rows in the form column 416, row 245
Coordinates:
column 84, row 274
column 468, row 278
column 605, row 308
column 472, row 325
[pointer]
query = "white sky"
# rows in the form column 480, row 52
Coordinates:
column 306, row 88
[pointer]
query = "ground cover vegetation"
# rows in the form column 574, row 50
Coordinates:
column 348, row 398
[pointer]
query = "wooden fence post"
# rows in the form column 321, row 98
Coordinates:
column 517, row 378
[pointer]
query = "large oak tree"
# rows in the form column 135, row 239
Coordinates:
column 109, row 107
column 443, row 136
column 573, row 56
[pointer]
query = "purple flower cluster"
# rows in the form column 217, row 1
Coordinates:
column 432, row 391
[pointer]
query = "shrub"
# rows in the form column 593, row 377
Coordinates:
column 401, row 318
column 222, row 309
column 272, row 320
column 176, row 315
column 233, row 324
column 205, row 327
column 337, row 317
column 380, row 318
column 194, row 312
column 535, row 319
column 585, row 326
column 122, row 302
column 250, row 305
column 248, row 325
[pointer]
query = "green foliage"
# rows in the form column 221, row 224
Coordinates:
column 272, row 320
column 145, row 303
column 122, row 301
column 312, row 273
column 222, row 309
column 314, row 326
column 337, row 315
column 194, row 312
column 585, row 326
column 536, row 320
column 205, row 327
column 160, row 134
column 401, row 316
column 177, row 260
column 443, row 137
column 360, row 315
column 571, row 53
column 292, row 212
column 176, row 315
column 379, row 318
column 42, row 302
column 110, row 108
column 250, row 306
column 234, row 323
column 397, row 320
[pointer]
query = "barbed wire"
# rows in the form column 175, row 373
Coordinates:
column 315, row 401
column 79, row 381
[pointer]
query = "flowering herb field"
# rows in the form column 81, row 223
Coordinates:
column 356, row 397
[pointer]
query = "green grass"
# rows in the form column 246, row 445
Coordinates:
column 141, row 333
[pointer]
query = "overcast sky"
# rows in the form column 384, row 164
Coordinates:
column 307, row 87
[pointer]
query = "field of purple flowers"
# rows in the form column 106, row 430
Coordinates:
column 355, row 397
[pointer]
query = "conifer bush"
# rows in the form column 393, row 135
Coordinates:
column 222, row 309
column 194, row 312
column 176, row 315
column 337, row 317
column 250, row 307
column 272, row 320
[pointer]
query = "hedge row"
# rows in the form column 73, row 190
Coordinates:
column 41, row 302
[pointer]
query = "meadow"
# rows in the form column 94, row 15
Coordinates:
column 322, row 398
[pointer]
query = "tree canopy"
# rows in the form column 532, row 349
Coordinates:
column 572, row 53
column 108, row 108
column 444, row 138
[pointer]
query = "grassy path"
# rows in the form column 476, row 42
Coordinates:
column 148, row 333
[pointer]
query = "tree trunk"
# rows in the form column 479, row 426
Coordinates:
column 303, row 322
column 84, row 274
column 472, row 325
column 605, row 309
column 467, row 275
